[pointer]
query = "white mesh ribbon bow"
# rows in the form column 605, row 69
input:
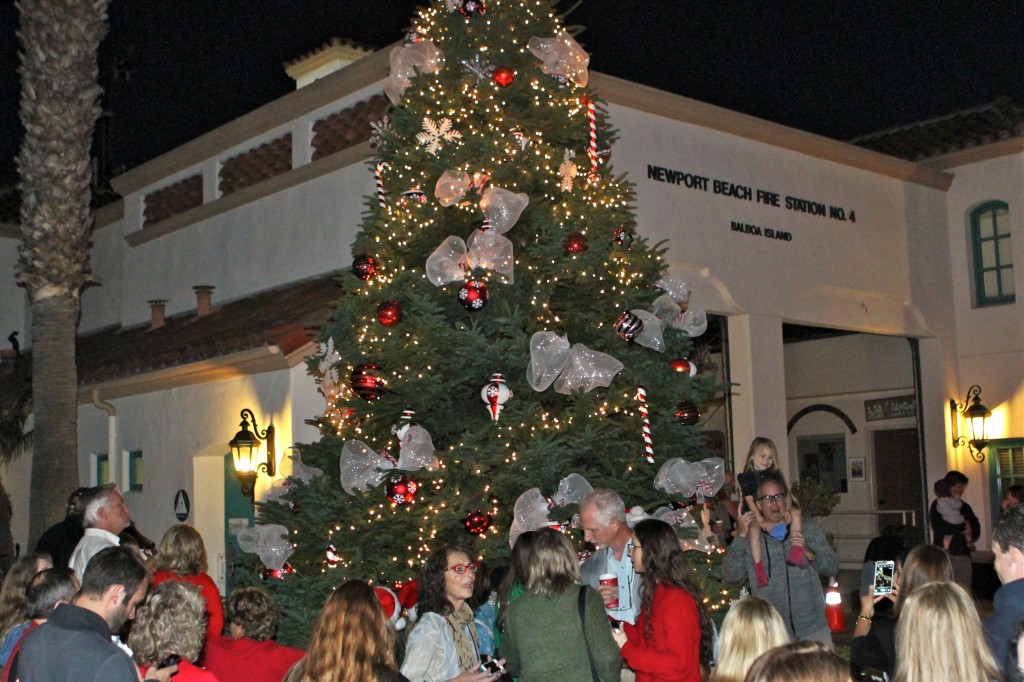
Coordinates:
column 269, row 542
column 422, row 56
column 362, row 468
column 487, row 248
column 552, row 361
column 682, row 477
column 561, row 56
column 532, row 508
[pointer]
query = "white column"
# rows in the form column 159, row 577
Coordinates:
column 757, row 365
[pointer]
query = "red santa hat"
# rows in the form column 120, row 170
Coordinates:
column 392, row 607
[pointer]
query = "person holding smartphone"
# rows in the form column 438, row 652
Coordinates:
column 874, row 643
column 169, row 629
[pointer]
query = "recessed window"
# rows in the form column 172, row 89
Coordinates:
column 100, row 468
column 992, row 253
column 135, row 470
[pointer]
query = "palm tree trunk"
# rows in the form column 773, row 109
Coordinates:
column 59, row 108
column 55, row 406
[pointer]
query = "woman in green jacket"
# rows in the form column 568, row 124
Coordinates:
column 546, row 639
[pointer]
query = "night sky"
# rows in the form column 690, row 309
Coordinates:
column 838, row 68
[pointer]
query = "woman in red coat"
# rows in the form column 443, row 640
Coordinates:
column 183, row 557
column 671, row 639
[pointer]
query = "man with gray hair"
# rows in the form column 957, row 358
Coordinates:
column 603, row 518
column 105, row 516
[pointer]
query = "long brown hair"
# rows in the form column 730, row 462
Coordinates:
column 351, row 637
column 925, row 564
column 665, row 562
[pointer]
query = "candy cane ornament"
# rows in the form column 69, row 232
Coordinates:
column 592, row 152
column 378, row 175
column 641, row 396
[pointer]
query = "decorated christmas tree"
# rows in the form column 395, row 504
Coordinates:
column 506, row 339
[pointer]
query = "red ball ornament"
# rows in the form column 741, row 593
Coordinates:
column 401, row 489
column 473, row 295
column 687, row 413
column 389, row 313
column 277, row 573
column 576, row 243
column 683, row 366
column 364, row 267
column 503, row 76
column 477, row 522
column 367, row 381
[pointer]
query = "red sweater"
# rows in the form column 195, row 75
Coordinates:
column 246, row 660
column 673, row 652
column 188, row 672
column 211, row 595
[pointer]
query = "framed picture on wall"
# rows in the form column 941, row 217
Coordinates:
column 857, row 469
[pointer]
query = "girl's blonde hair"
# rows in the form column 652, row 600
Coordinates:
column 757, row 443
column 751, row 628
column 802, row 661
column 555, row 567
column 182, row 551
column 939, row 637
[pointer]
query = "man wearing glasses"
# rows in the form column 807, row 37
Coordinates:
column 795, row 592
column 105, row 516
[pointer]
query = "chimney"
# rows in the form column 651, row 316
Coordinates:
column 204, row 299
column 332, row 56
column 157, row 309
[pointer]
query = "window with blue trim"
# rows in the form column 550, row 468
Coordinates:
column 993, row 258
column 101, row 469
column 135, row 470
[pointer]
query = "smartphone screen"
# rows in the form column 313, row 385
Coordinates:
column 884, row 571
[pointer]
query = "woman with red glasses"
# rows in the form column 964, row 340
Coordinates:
column 442, row 647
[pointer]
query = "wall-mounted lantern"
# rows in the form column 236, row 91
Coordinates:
column 245, row 449
column 977, row 423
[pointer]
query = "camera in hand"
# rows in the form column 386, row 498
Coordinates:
column 173, row 659
column 492, row 666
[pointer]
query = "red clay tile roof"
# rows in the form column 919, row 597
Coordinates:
column 962, row 130
column 281, row 317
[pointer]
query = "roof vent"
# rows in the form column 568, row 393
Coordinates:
column 204, row 299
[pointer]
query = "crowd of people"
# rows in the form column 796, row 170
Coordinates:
column 97, row 601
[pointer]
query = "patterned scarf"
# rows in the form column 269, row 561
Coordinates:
column 465, row 645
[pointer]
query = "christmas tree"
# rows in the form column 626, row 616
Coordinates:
column 499, row 321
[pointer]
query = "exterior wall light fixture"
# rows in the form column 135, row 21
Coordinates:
column 977, row 423
column 245, row 449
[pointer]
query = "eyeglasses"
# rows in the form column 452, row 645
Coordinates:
column 630, row 547
column 778, row 497
column 462, row 568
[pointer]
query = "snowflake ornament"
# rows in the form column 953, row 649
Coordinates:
column 567, row 171
column 328, row 359
column 453, row 5
column 436, row 132
column 379, row 130
column 479, row 68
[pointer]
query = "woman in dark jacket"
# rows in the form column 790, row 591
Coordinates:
column 874, row 643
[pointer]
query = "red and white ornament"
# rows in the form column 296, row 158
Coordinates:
column 401, row 489
column 641, row 398
column 399, row 429
column 473, row 295
column 622, row 237
column 495, row 394
column 471, row 8
column 683, row 366
column 628, row 326
column 332, row 556
column 415, row 195
column 391, row 606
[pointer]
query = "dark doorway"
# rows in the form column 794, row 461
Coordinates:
column 898, row 476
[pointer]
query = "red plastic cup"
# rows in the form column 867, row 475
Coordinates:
column 610, row 579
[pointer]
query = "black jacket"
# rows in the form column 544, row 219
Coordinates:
column 74, row 646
